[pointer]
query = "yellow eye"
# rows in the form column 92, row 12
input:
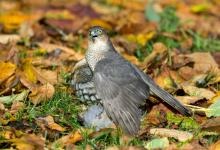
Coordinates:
column 99, row 32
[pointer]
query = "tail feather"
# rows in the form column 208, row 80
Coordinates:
column 164, row 95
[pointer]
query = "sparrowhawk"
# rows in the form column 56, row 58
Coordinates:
column 120, row 86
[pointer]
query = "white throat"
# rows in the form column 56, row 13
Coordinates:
column 96, row 52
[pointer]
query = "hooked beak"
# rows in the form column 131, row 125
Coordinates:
column 93, row 34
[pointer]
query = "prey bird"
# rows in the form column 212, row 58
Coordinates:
column 121, row 87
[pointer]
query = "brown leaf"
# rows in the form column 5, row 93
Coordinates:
column 212, row 124
column 203, row 61
column 200, row 92
column 159, row 51
column 41, row 93
column 157, row 115
column 83, row 10
column 28, row 142
column 69, row 139
column 45, row 76
column 186, row 72
column 16, row 106
column 51, row 47
column 182, row 136
column 188, row 99
column 132, row 59
column 49, row 122
column 130, row 4
column 7, row 69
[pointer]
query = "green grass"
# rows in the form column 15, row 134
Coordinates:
column 169, row 22
column 62, row 106
column 204, row 44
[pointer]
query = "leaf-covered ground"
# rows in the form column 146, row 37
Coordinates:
column 175, row 42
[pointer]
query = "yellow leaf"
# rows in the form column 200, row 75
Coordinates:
column 29, row 72
column 28, row 142
column 102, row 23
column 52, row 125
column 141, row 39
column 68, row 139
column 215, row 98
column 7, row 69
column 12, row 20
column 200, row 8
column 215, row 146
column 59, row 15
column 5, row 121
column 7, row 134
column 167, row 79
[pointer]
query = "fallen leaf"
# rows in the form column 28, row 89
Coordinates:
column 215, row 146
column 26, row 30
column 7, row 134
column 200, row 92
column 214, row 98
column 41, row 93
column 132, row 59
column 203, row 65
column 64, row 14
column 159, row 143
column 157, row 115
column 102, row 23
column 14, row 97
column 130, row 4
column 140, row 38
column 199, row 8
column 7, row 69
column 186, row 72
column 29, row 73
column 212, row 124
column 83, row 10
column 2, row 107
column 168, row 79
column 16, row 19
column 71, row 138
column 189, row 99
column 213, row 110
column 16, row 106
column 45, row 76
column 51, row 47
column 6, row 119
column 28, row 142
column 6, row 38
column 49, row 122
column 159, row 51
column 181, row 136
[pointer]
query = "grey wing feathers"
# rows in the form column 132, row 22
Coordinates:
column 122, row 92
column 164, row 95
